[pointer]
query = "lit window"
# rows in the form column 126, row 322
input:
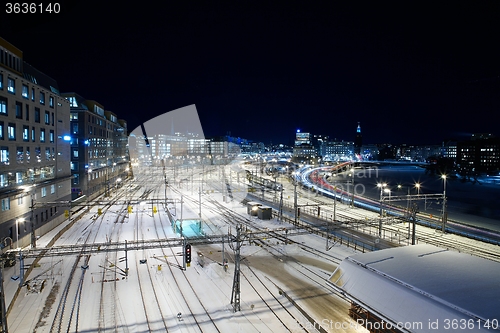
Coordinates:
column 52, row 189
column 4, row 155
column 25, row 92
column 5, row 204
column 3, row 105
column 26, row 135
column 11, row 85
column 1, row 81
column 51, row 136
column 42, row 98
column 47, row 117
column 42, row 134
column 11, row 130
column 20, row 154
column 51, row 101
column 44, row 192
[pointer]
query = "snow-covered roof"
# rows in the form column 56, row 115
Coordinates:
column 422, row 283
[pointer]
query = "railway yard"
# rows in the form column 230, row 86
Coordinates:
column 82, row 285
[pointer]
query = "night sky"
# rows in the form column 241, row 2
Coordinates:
column 416, row 72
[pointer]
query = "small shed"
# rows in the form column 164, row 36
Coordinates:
column 265, row 212
column 252, row 207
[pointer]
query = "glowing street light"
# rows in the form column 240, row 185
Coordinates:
column 444, row 204
column 381, row 185
column 17, row 231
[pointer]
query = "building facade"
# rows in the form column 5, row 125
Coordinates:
column 479, row 155
column 34, row 150
column 303, row 150
column 99, row 156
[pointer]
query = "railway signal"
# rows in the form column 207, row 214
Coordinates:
column 187, row 253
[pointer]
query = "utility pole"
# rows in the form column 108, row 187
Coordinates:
column 3, row 309
column 199, row 202
column 281, row 205
column 443, row 229
column 235, row 296
column 352, row 183
column 32, row 222
column 295, row 199
column 334, row 216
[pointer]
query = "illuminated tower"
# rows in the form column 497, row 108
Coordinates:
column 358, row 141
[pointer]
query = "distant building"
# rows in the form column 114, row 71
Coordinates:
column 358, row 141
column 99, row 155
column 479, row 155
column 369, row 152
column 34, row 150
column 319, row 142
column 303, row 150
column 449, row 149
column 339, row 150
column 417, row 153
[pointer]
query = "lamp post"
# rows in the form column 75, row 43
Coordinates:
column 381, row 185
column 352, row 183
column 443, row 229
column 17, row 231
column 295, row 196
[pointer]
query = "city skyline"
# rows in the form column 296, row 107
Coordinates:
column 262, row 71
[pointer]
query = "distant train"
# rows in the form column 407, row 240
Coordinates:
column 257, row 181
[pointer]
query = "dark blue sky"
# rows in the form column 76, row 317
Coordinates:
column 411, row 72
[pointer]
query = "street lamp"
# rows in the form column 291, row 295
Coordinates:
column 381, row 185
column 386, row 190
column 417, row 186
column 352, row 183
column 17, row 231
column 444, row 203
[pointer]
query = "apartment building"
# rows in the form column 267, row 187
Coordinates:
column 99, row 158
column 34, row 150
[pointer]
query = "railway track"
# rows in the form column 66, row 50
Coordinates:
column 67, row 315
column 203, row 320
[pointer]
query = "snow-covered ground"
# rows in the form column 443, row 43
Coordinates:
column 201, row 293
column 282, row 290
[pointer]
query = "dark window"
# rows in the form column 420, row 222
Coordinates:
column 19, row 110
column 37, row 115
